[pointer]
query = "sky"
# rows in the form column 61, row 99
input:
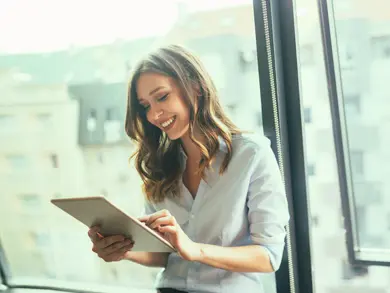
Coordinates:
column 49, row 25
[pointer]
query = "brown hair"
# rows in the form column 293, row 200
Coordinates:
column 158, row 157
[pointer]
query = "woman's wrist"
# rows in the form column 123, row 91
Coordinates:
column 196, row 252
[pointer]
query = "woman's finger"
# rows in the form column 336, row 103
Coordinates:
column 107, row 241
column 119, row 254
column 155, row 216
column 143, row 219
column 93, row 234
column 164, row 221
column 168, row 229
column 117, row 246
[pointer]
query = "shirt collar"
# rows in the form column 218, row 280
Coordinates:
column 222, row 147
column 211, row 174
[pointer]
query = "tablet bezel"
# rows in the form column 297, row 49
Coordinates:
column 57, row 202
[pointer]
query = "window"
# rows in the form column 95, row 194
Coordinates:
column 352, row 104
column 100, row 157
column 29, row 201
column 259, row 119
column 306, row 54
column 350, row 271
column 6, row 123
column 92, row 120
column 200, row 27
column 307, row 116
column 44, row 119
column 388, row 221
column 54, row 161
column 18, row 162
column 381, row 46
column 112, row 126
column 311, row 170
column 357, row 162
column 111, row 114
column 356, row 57
column 41, row 239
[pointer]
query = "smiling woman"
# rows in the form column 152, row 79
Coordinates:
column 189, row 154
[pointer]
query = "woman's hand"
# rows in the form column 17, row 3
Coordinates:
column 164, row 223
column 112, row 248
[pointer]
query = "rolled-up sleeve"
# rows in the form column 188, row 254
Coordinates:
column 267, row 205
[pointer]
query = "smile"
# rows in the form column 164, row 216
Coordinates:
column 168, row 122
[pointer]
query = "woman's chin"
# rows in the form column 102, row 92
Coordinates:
column 175, row 135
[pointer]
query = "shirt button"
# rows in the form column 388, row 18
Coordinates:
column 192, row 216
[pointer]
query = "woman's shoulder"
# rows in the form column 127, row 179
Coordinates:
column 252, row 142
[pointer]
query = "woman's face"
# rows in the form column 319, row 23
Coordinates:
column 164, row 104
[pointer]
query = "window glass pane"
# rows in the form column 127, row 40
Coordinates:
column 366, row 92
column 68, row 90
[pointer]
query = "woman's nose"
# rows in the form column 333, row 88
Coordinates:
column 158, row 114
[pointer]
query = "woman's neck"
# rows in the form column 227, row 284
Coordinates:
column 190, row 148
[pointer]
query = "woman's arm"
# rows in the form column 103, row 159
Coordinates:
column 251, row 258
column 149, row 259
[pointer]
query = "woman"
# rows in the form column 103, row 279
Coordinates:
column 214, row 193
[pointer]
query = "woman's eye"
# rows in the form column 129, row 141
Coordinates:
column 146, row 107
column 163, row 98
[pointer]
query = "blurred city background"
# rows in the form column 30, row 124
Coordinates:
column 64, row 68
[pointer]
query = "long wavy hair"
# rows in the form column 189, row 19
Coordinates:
column 157, row 157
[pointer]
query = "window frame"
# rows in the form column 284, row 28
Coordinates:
column 334, row 79
column 279, row 81
column 4, row 270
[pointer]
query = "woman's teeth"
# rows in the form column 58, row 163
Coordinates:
column 167, row 123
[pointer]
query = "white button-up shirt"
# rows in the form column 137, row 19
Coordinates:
column 244, row 206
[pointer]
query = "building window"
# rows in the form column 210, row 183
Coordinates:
column 29, row 202
column 351, row 271
column 54, row 160
column 357, row 163
column 387, row 52
column 18, row 162
column 352, row 104
column 307, row 115
column 388, row 221
column 6, row 122
column 311, row 170
column 111, row 114
column 91, row 120
column 112, row 126
column 306, row 54
column 259, row 119
column 315, row 220
column 40, row 239
column 100, row 157
column 44, row 119
column 381, row 47
column 247, row 58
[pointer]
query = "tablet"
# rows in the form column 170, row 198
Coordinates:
column 98, row 211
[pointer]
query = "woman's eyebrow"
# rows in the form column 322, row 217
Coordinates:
column 155, row 90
